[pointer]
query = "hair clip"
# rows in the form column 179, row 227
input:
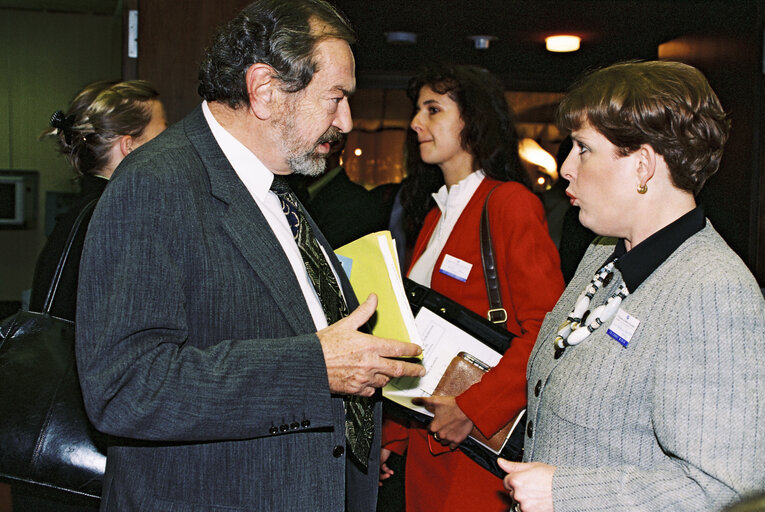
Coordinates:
column 62, row 122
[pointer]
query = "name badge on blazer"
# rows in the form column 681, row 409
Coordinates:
column 455, row 268
column 623, row 327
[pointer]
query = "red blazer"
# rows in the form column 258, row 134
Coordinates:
column 530, row 282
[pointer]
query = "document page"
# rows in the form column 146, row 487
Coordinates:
column 441, row 342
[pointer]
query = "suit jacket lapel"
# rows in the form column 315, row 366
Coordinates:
column 248, row 228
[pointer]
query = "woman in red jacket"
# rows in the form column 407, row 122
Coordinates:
column 461, row 146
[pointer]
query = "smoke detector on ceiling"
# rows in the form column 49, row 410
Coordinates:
column 482, row 42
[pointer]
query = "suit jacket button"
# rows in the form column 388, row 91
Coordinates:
column 530, row 429
column 295, row 425
column 284, row 428
column 273, row 430
column 338, row 451
column 538, row 388
column 306, row 424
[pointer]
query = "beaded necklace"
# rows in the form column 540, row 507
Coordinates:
column 572, row 332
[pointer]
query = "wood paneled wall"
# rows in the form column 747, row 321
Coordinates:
column 172, row 34
column 734, row 198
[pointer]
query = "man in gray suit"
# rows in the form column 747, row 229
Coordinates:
column 203, row 343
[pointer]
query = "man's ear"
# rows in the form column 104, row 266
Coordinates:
column 261, row 89
column 126, row 145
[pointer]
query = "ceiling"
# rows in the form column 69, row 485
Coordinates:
column 82, row 6
column 611, row 30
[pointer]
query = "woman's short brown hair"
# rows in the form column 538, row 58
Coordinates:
column 668, row 105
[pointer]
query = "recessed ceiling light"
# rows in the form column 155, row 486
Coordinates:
column 562, row 43
column 482, row 42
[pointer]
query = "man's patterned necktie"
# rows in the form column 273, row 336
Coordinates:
column 359, row 419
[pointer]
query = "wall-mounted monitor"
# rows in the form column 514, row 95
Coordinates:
column 18, row 199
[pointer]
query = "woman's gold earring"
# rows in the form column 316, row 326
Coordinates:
column 642, row 189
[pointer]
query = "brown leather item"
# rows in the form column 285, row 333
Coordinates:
column 464, row 371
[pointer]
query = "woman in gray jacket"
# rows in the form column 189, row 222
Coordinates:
column 645, row 386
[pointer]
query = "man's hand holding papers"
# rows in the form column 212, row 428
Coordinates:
column 358, row 363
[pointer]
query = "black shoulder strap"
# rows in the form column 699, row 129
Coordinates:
column 65, row 254
column 496, row 314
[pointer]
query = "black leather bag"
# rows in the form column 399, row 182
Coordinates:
column 46, row 440
column 491, row 335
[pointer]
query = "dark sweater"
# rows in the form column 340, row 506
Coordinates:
column 65, row 301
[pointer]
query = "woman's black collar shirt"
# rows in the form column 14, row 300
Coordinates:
column 640, row 262
column 90, row 184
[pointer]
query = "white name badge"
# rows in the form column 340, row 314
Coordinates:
column 623, row 327
column 456, row 268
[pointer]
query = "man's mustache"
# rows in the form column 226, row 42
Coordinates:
column 331, row 136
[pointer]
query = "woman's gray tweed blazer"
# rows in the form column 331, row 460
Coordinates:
column 674, row 421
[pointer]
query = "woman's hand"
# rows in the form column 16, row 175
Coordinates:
column 450, row 426
column 529, row 484
column 385, row 471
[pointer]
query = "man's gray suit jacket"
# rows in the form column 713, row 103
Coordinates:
column 196, row 347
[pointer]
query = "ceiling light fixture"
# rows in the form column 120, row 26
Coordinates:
column 482, row 42
column 530, row 151
column 400, row 37
column 562, row 43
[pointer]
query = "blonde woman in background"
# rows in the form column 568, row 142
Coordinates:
column 105, row 122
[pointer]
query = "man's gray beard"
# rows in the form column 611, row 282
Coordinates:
column 307, row 163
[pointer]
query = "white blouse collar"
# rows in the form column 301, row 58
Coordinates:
column 459, row 193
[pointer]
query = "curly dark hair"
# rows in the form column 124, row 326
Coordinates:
column 99, row 114
column 668, row 105
column 280, row 33
column 489, row 135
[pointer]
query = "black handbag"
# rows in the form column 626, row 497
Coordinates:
column 46, row 440
column 491, row 335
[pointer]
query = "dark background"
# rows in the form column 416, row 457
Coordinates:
column 723, row 38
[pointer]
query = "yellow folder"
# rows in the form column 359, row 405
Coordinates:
column 372, row 267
